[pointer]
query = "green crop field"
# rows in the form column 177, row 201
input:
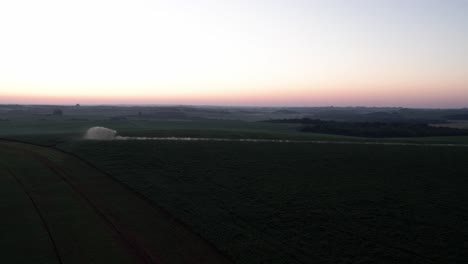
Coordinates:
column 49, row 130
column 304, row 203
column 334, row 199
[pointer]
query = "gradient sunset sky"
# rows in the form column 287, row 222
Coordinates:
column 411, row 53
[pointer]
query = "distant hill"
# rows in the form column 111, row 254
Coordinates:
column 286, row 112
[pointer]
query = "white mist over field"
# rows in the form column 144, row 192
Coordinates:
column 100, row 133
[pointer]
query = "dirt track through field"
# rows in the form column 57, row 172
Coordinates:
column 41, row 216
column 150, row 234
column 134, row 249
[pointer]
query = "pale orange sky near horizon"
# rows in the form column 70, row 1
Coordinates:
column 279, row 53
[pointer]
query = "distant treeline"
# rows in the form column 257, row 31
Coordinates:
column 372, row 129
column 457, row 117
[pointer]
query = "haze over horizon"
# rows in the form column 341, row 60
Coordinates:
column 242, row 53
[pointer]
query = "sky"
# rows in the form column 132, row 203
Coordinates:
column 409, row 53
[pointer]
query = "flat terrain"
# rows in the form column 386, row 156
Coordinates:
column 341, row 199
column 304, row 203
column 58, row 209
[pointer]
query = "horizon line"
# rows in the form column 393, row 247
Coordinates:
column 231, row 106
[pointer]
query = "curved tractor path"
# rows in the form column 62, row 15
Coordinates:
column 58, row 209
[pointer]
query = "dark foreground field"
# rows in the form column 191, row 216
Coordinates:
column 58, row 209
column 304, row 203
